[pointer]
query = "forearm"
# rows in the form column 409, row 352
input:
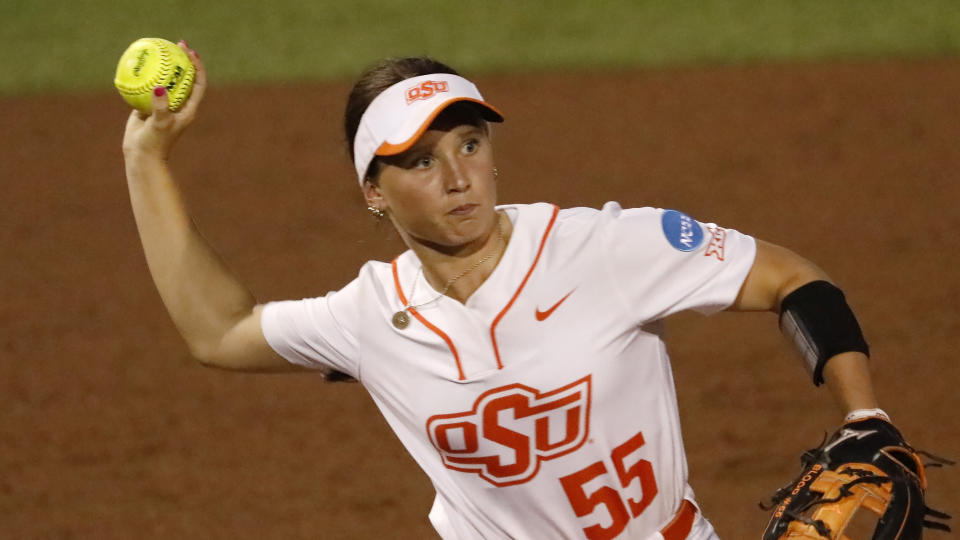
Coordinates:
column 847, row 375
column 818, row 319
column 777, row 273
column 203, row 297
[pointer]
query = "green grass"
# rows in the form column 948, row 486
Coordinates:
column 55, row 46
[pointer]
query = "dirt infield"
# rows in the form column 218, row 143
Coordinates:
column 108, row 429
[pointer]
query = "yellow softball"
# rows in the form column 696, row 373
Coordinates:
column 149, row 63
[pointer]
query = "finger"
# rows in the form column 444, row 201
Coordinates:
column 199, row 80
column 134, row 122
column 136, row 117
column 160, row 100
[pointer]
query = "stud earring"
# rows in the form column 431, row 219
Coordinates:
column 496, row 173
column 377, row 213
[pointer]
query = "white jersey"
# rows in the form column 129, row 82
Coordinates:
column 543, row 407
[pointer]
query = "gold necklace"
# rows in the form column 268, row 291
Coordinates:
column 401, row 319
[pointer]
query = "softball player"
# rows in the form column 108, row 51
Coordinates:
column 515, row 349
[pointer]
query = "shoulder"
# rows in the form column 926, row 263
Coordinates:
column 651, row 226
column 374, row 278
column 671, row 228
column 611, row 218
column 373, row 272
column 539, row 215
column 543, row 221
column 610, row 211
column 579, row 233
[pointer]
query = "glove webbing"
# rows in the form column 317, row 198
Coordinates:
column 936, row 461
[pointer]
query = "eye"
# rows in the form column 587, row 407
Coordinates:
column 419, row 162
column 471, row 146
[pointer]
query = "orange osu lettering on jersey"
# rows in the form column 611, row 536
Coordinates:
column 511, row 429
column 718, row 240
column 426, row 90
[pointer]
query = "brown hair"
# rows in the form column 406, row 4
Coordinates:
column 375, row 80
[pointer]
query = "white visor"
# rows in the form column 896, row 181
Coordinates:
column 397, row 117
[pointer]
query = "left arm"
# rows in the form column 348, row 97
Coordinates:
column 776, row 273
column 817, row 317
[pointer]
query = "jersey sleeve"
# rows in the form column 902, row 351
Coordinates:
column 317, row 333
column 665, row 262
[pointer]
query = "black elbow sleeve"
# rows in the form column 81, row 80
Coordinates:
column 821, row 324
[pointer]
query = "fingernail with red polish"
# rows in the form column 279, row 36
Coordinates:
column 159, row 91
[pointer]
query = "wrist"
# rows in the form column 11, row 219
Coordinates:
column 138, row 162
column 861, row 414
column 142, row 171
column 137, row 155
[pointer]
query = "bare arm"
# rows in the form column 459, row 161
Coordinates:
column 214, row 312
column 776, row 273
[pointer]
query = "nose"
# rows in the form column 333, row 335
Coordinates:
column 455, row 174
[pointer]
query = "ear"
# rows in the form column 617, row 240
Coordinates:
column 373, row 195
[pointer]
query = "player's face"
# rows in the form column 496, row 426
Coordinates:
column 442, row 191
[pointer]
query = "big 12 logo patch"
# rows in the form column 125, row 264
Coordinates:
column 511, row 429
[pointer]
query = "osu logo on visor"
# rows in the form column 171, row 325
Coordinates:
column 426, row 90
column 512, row 429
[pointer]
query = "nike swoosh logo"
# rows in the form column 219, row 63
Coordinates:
column 846, row 434
column 542, row 315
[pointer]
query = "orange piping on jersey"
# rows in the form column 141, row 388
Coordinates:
column 682, row 522
column 428, row 324
column 493, row 327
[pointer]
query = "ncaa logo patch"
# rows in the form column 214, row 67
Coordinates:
column 682, row 231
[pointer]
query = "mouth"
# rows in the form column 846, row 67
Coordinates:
column 464, row 209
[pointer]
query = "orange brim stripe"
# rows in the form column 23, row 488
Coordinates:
column 387, row 149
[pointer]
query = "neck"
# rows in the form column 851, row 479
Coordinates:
column 459, row 272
